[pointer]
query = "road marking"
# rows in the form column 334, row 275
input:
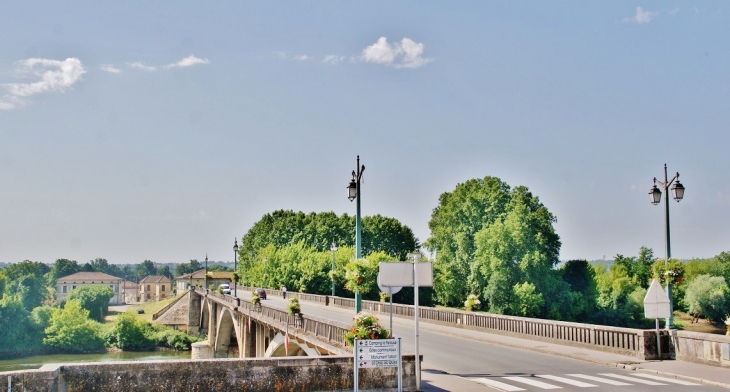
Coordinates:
column 533, row 382
column 633, row 379
column 566, row 381
column 598, row 379
column 672, row 380
column 496, row 384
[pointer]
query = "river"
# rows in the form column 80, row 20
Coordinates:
column 35, row 362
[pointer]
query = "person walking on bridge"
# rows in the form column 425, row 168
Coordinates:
column 283, row 291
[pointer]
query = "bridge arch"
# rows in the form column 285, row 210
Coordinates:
column 227, row 337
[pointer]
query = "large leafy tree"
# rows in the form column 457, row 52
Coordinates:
column 27, row 280
column 489, row 238
column 317, row 230
column 16, row 328
column 61, row 268
column 708, row 296
column 145, row 269
column 94, row 299
column 72, row 331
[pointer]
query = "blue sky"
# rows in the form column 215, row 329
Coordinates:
column 162, row 130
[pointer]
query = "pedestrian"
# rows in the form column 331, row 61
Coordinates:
column 283, row 291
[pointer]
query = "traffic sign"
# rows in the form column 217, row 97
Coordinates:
column 656, row 302
column 378, row 353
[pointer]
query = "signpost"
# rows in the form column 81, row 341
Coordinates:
column 390, row 290
column 378, row 353
column 409, row 275
column 656, row 306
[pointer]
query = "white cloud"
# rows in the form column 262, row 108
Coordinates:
column 52, row 75
column 303, row 57
column 110, row 68
column 142, row 66
column 641, row 17
column 404, row 54
column 333, row 59
column 188, row 62
column 674, row 11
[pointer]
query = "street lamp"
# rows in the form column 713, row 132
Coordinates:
column 655, row 196
column 353, row 192
column 333, row 248
column 235, row 266
column 206, row 272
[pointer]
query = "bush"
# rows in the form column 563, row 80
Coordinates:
column 132, row 334
column 177, row 340
column 365, row 326
column 708, row 296
column 255, row 298
column 71, row 331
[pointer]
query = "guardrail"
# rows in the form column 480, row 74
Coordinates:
column 326, row 330
column 620, row 340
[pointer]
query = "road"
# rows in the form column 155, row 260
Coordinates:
column 492, row 366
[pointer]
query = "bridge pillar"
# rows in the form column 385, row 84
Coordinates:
column 194, row 302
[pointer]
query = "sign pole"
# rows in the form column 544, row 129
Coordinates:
column 391, row 315
column 415, row 302
column 400, row 369
column 658, row 340
column 355, row 363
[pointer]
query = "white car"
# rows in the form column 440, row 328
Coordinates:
column 225, row 288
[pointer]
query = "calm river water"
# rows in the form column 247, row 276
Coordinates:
column 36, row 362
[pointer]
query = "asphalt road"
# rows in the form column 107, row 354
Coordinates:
column 495, row 367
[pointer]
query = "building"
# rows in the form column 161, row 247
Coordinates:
column 130, row 292
column 155, row 288
column 197, row 279
column 65, row 284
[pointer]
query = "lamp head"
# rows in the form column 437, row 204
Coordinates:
column 352, row 190
column 655, row 195
column 235, row 245
column 678, row 190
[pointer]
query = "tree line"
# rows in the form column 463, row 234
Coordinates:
column 493, row 243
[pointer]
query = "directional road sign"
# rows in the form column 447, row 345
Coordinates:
column 377, row 353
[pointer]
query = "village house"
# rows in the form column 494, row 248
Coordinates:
column 155, row 288
column 130, row 292
column 65, row 284
column 197, row 279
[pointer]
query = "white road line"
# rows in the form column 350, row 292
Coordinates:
column 496, row 384
column 632, row 379
column 533, row 382
column 665, row 379
column 566, row 381
column 598, row 379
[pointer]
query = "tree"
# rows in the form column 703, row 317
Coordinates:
column 94, row 299
column 708, row 296
column 71, row 330
column 61, row 268
column 15, row 326
column 489, row 237
column 165, row 271
column 147, row 268
column 581, row 278
column 27, row 280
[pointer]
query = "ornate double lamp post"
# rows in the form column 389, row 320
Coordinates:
column 235, row 266
column 333, row 248
column 655, row 195
column 353, row 192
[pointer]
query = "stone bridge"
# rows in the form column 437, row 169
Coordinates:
column 235, row 328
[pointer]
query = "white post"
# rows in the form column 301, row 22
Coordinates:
column 415, row 303
column 658, row 340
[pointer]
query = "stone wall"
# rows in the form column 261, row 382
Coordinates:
column 702, row 348
column 333, row 373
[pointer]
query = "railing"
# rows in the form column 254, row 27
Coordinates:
column 326, row 330
column 623, row 340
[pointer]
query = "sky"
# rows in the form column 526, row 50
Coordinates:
column 164, row 130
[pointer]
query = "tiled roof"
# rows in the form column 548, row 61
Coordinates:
column 87, row 277
column 155, row 279
column 200, row 274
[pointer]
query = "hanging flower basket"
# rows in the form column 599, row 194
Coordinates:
column 365, row 326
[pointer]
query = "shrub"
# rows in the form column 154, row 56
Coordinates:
column 177, row 340
column 255, row 298
column 708, row 296
column 365, row 326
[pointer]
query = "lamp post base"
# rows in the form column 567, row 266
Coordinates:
column 358, row 302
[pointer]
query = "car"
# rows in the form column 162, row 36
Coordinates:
column 261, row 293
column 225, row 288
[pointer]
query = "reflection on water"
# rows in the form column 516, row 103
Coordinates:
column 37, row 361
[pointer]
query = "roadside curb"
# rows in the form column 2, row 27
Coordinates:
column 672, row 375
